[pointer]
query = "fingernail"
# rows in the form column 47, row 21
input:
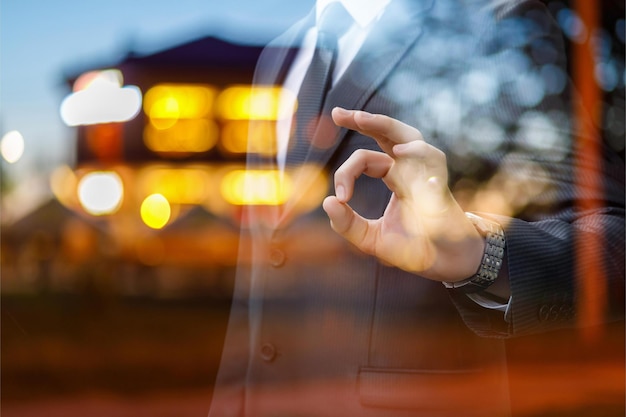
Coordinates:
column 341, row 111
column 340, row 192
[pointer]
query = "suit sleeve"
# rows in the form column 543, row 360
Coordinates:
column 564, row 222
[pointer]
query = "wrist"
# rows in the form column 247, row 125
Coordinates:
column 491, row 258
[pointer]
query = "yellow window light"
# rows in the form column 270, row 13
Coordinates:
column 177, row 185
column 241, row 136
column 183, row 136
column 179, row 101
column 155, row 211
column 244, row 102
column 255, row 187
column 63, row 184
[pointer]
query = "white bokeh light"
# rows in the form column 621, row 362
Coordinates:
column 12, row 146
column 101, row 100
column 480, row 86
column 101, row 192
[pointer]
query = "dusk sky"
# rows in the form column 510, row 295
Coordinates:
column 41, row 42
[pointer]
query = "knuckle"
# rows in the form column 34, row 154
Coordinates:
column 340, row 172
column 418, row 135
column 440, row 155
column 359, row 154
column 420, row 148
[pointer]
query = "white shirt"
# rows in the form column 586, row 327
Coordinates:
column 365, row 13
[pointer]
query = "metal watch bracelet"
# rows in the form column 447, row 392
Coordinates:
column 493, row 256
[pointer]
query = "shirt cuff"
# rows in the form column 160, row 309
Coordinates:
column 488, row 302
column 497, row 296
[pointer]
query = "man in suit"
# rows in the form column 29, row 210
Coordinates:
column 403, row 316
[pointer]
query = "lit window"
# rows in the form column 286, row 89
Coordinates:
column 241, row 136
column 178, row 101
column 183, row 137
column 180, row 119
column 255, row 187
column 179, row 186
column 244, row 102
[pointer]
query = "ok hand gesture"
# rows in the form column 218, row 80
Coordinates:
column 423, row 229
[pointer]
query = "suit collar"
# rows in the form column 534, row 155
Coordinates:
column 395, row 32
column 363, row 12
column 384, row 47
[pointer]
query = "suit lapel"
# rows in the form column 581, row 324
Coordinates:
column 278, row 55
column 381, row 52
column 271, row 70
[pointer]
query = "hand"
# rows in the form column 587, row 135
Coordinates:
column 423, row 229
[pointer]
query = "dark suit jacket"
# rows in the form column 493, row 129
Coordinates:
column 319, row 329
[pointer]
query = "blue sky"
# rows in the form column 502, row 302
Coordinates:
column 42, row 40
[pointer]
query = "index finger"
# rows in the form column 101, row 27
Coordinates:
column 386, row 130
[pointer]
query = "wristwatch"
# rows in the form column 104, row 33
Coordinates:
column 492, row 257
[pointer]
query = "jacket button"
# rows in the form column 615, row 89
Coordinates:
column 564, row 312
column 277, row 257
column 268, row 352
column 544, row 313
column 553, row 315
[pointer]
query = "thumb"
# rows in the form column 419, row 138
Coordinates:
column 340, row 214
column 347, row 223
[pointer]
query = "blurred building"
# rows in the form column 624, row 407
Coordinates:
column 152, row 204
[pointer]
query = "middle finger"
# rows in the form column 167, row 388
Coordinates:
column 371, row 163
